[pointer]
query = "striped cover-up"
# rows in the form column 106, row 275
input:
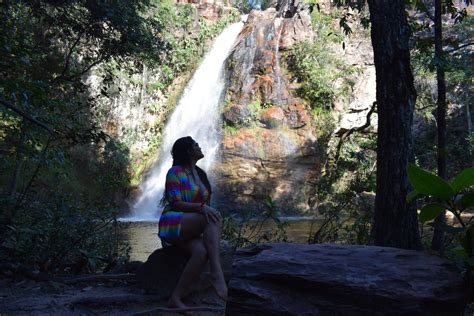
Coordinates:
column 178, row 187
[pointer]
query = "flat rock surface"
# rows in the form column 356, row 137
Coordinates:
column 330, row 279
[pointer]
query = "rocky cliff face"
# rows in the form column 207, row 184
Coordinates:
column 269, row 147
column 273, row 151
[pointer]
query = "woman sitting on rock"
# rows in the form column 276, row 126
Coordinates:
column 189, row 222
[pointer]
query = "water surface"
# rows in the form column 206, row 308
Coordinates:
column 143, row 236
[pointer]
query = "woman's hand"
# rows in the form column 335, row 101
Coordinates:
column 211, row 214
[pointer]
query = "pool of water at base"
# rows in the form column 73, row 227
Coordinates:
column 142, row 236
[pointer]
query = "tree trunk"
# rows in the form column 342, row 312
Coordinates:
column 469, row 126
column 395, row 222
column 9, row 209
column 438, row 237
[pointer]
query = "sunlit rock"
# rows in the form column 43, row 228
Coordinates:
column 236, row 114
column 273, row 117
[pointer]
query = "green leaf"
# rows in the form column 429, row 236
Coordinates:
column 412, row 195
column 430, row 211
column 427, row 183
column 467, row 200
column 463, row 180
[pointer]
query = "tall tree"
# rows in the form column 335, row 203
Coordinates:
column 395, row 222
column 438, row 236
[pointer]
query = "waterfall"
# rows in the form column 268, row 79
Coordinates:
column 196, row 115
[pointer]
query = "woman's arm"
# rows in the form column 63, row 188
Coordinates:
column 174, row 194
column 186, row 206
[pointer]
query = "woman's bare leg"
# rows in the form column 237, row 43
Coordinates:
column 212, row 237
column 191, row 271
column 192, row 226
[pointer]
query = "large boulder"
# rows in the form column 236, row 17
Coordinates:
column 330, row 279
column 160, row 273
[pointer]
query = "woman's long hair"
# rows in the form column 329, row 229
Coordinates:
column 180, row 154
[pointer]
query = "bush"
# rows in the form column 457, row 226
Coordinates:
column 55, row 236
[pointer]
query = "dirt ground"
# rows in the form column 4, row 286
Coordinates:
column 103, row 297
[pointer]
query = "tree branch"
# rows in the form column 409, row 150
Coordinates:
column 352, row 130
column 71, row 50
column 458, row 48
column 27, row 116
column 71, row 77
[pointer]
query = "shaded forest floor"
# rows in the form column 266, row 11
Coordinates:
column 106, row 297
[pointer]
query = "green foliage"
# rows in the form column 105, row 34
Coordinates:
column 255, row 108
column 55, row 236
column 184, row 46
column 321, row 76
column 314, row 68
column 348, row 9
column 345, row 193
column 458, row 65
column 324, row 124
column 429, row 184
column 248, row 228
column 59, row 189
column 456, row 197
column 470, row 142
column 229, row 129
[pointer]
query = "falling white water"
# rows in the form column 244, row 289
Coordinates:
column 196, row 115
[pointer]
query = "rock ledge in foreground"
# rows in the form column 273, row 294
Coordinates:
column 330, row 279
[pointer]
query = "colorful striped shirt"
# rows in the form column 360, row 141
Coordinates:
column 178, row 187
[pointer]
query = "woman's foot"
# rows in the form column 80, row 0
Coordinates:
column 219, row 285
column 175, row 302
